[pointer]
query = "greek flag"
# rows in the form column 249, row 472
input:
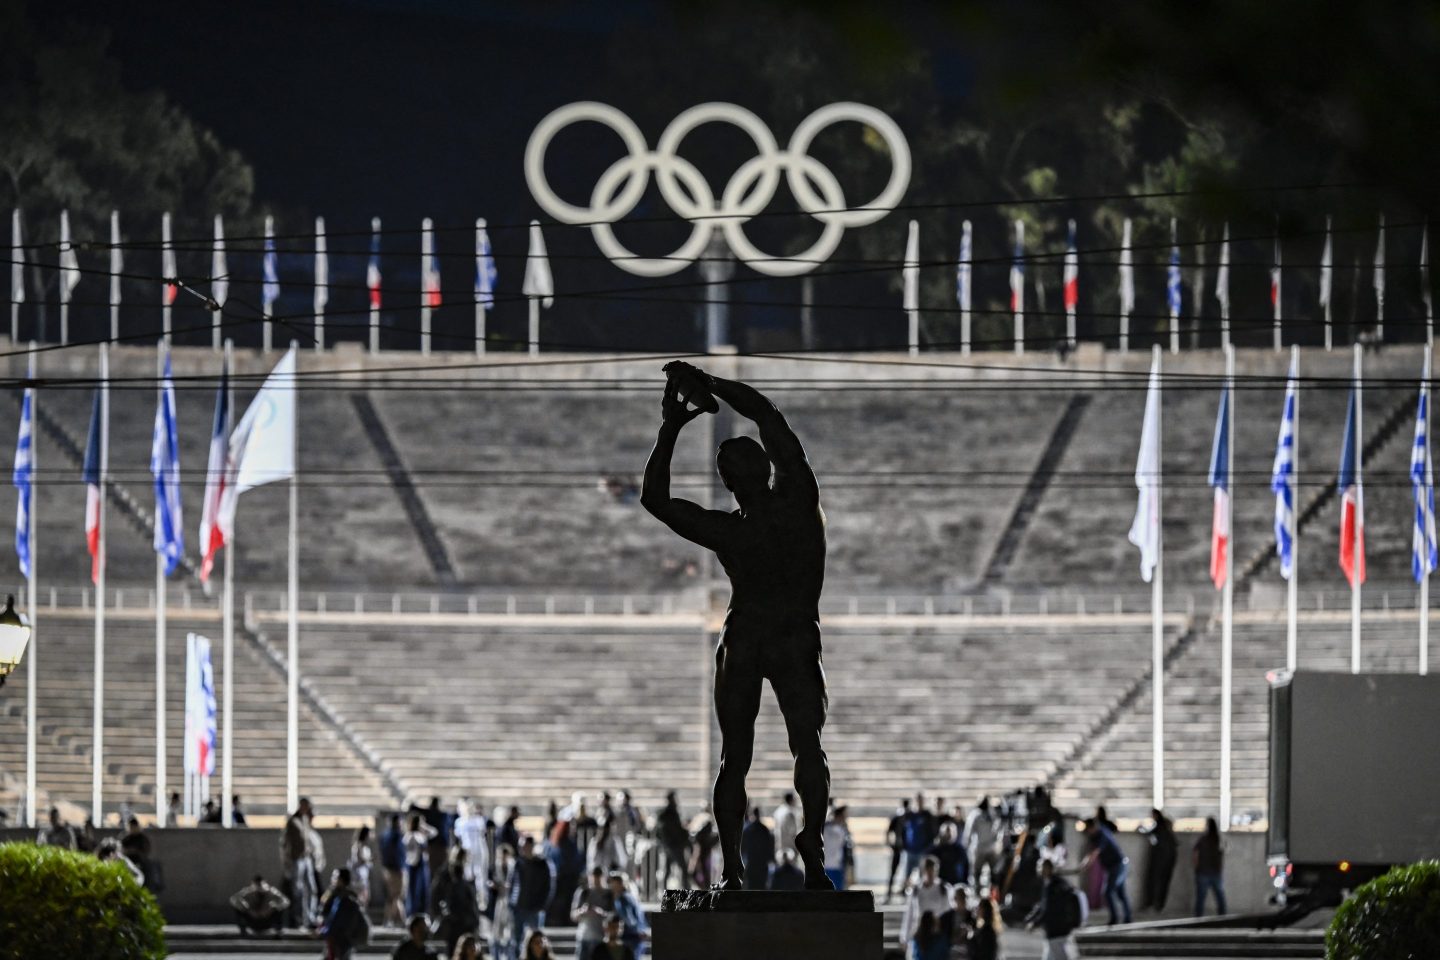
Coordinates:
column 165, row 466
column 24, row 468
column 485, row 272
column 270, row 289
column 1172, row 283
column 199, row 707
column 1422, row 482
column 1282, row 477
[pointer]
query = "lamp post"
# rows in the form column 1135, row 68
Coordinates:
column 14, row 636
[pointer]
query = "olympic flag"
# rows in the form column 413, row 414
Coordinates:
column 538, row 285
column 1145, row 533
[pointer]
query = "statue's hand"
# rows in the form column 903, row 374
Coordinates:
column 675, row 411
column 673, row 368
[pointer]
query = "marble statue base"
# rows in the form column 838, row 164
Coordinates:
column 766, row 925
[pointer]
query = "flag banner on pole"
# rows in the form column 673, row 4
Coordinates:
column 1017, row 271
column 90, row 473
column 1380, row 272
column 1172, row 275
column 69, row 263
column 372, row 266
column 199, row 708
column 1072, row 271
column 263, row 444
column 1282, row 477
column 485, row 272
column 1327, row 266
column 165, row 467
column 1275, row 280
column 963, row 266
column 167, row 262
column 1425, row 272
column 1423, row 554
column 117, row 258
column 1145, row 530
column 219, row 482
column 17, row 259
column 538, row 280
column 219, row 272
column 24, row 471
column 270, row 288
column 1220, row 480
column 429, row 266
column 322, row 267
column 1352, row 501
column 1127, row 272
column 910, row 272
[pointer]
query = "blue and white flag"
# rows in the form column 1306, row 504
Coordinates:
column 1172, row 283
column 270, row 289
column 1422, row 483
column 24, row 470
column 1282, row 476
column 485, row 272
column 199, row 708
column 165, row 467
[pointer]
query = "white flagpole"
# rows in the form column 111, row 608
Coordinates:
column 292, row 714
column 17, row 276
column 479, row 307
column 1380, row 283
column 911, row 284
column 1279, row 273
column 966, row 299
column 1157, row 606
column 97, row 733
column 1222, row 286
column 1127, row 287
column 116, row 265
column 219, row 278
column 1356, row 551
column 227, row 607
column 1227, row 601
column 32, row 670
column 534, row 325
column 1327, row 285
column 427, row 247
column 1017, row 293
column 1425, row 567
column 1425, row 291
column 266, row 328
column 169, row 257
column 64, row 280
column 374, row 309
column 160, row 611
column 1292, row 599
column 322, row 282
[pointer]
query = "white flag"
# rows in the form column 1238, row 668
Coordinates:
column 910, row 274
column 1327, row 260
column 69, row 264
column 322, row 267
column 1145, row 530
column 538, row 281
column 17, row 259
column 1380, row 272
column 117, row 258
column 263, row 444
column 1127, row 272
column 219, row 272
column 1222, row 275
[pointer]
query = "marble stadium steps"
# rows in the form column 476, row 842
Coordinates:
column 330, row 773
column 1118, row 772
column 462, row 710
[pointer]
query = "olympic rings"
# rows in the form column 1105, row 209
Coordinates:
column 751, row 188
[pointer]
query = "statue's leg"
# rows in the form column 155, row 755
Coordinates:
column 737, row 703
column 800, row 689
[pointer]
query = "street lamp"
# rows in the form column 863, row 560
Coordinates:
column 14, row 635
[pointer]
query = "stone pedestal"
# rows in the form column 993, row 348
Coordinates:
column 766, row 925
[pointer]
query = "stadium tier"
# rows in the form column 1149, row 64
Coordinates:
column 1117, row 767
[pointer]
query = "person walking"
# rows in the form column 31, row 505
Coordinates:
column 298, row 865
column 613, row 946
column 757, row 850
column 916, row 834
column 789, row 820
column 947, row 850
column 839, row 846
column 635, row 928
column 1209, row 860
column 392, row 862
column 417, row 864
column 1059, row 912
column 359, row 862
column 589, row 908
column 981, row 839
column 532, row 884
column 929, row 941
column 471, row 829
column 984, row 943
column 674, row 839
column 345, row 926
column 893, row 840
column 928, row 895
column 414, row 946
column 1116, row 867
column 453, row 900
column 1160, row 866
column 502, row 942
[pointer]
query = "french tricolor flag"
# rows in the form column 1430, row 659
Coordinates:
column 214, row 532
column 1352, row 499
column 1017, row 271
column 91, row 473
column 1220, row 480
column 429, row 267
column 372, row 268
column 1072, row 272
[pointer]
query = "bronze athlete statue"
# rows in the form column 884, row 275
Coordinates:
column 773, row 549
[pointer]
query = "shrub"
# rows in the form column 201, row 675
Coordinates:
column 1393, row 917
column 56, row 903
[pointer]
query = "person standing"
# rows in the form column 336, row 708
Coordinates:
column 532, row 884
column 928, row 895
column 361, row 857
column 916, row 835
column 59, row 833
column 588, row 910
column 1209, row 860
column 1160, row 866
column 757, row 850
column 298, row 867
column 839, row 847
column 613, row 946
column 985, row 936
column 674, row 840
column 981, row 839
column 1116, row 867
column 508, row 834
column 1058, row 912
column 893, row 840
column 392, row 861
column 414, row 947
column 501, row 919
column 471, row 828
column 954, row 862
column 929, row 941
column 635, row 928
column 453, row 901
column 417, row 864
column 787, row 874
column 789, row 820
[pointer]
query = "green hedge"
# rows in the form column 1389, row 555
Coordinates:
column 1393, row 917
column 55, row 903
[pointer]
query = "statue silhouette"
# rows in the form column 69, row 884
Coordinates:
column 773, row 549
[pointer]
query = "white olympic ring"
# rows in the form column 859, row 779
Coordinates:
column 751, row 188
